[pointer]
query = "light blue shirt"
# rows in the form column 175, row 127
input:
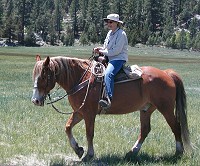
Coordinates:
column 116, row 45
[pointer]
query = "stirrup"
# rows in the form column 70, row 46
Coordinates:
column 105, row 103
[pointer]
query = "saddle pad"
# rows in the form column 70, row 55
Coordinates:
column 128, row 73
column 133, row 72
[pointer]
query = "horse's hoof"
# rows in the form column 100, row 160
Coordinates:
column 80, row 152
column 179, row 153
column 87, row 158
column 130, row 156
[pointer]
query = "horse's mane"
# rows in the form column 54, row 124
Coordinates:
column 66, row 65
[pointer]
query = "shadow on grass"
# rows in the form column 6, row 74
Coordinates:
column 141, row 159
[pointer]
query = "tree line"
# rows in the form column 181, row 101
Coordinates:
column 172, row 23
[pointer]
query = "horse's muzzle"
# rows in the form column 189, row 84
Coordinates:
column 38, row 102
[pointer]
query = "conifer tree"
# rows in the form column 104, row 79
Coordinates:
column 196, row 45
column 83, row 14
column 93, row 19
column 58, row 17
column 9, row 20
column 168, row 28
column 73, row 12
column 34, row 16
column 181, row 39
column 104, row 9
column 21, row 11
column 173, row 41
column 133, row 18
column 1, row 18
column 119, row 7
column 197, row 8
column 193, row 27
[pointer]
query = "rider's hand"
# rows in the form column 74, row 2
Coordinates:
column 96, row 50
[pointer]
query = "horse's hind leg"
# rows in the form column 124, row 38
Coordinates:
column 144, row 131
column 176, row 129
column 72, row 121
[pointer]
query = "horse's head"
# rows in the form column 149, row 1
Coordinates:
column 44, row 80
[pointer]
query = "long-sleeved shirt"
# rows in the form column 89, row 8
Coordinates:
column 115, row 45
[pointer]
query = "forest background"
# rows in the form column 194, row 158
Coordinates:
column 169, row 23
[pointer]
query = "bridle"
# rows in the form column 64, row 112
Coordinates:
column 80, row 85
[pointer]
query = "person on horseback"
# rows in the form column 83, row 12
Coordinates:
column 116, row 49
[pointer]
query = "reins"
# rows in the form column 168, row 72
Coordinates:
column 74, row 90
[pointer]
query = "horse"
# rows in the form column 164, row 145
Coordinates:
column 161, row 90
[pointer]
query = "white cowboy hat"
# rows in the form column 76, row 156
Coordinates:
column 113, row 17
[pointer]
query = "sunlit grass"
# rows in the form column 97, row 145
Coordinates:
column 35, row 133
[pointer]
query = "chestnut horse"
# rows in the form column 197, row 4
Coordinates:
column 157, row 89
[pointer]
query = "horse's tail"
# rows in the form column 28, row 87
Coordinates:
column 181, row 108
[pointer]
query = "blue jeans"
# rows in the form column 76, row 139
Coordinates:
column 112, row 69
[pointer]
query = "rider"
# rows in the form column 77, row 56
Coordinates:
column 115, row 48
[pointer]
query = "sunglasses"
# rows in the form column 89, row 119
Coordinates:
column 110, row 22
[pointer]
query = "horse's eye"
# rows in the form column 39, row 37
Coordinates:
column 42, row 77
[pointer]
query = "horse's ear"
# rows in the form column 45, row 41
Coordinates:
column 46, row 61
column 38, row 58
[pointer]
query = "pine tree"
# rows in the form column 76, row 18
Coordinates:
column 103, row 12
column 181, row 39
column 193, row 27
column 197, row 8
column 73, row 12
column 68, row 37
column 118, row 6
column 9, row 21
column 188, row 41
column 132, row 18
column 168, row 28
column 20, row 7
column 84, row 39
column 83, row 14
column 58, row 17
column 173, row 41
column 1, row 18
column 93, row 21
column 196, row 45
column 168, row 22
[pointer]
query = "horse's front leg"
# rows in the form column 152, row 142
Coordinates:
column 89, row 123
column 72, row 121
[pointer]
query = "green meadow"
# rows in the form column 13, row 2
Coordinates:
column 31, row 135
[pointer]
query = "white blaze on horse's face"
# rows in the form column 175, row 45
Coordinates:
column 37, row 98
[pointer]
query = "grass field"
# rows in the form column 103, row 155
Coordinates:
column 31, row 135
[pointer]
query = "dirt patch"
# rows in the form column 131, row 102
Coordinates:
column 26, row 161
column 50, row 160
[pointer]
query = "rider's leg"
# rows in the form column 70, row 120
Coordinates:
column 112, row 69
